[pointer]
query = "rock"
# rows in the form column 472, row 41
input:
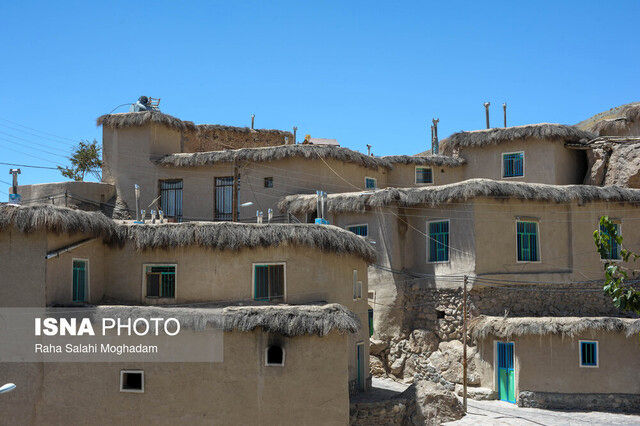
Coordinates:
column 453, row 373
column 376, row 347
column 439, row 361
column 477, row 393
column 376, row 366
column 435, row 404
column 422, row 341
column 397, row 365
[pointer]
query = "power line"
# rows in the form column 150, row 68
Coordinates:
column 28, row 165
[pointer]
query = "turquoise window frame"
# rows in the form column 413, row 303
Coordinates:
column 588, row 353
column 527, row 241
column 422, row 177
column 438, row 240
column 167, row 280
column 361, row 230
column 256, row 276
column 370, row 183
column 80, row 280
column 513, row 164
column 614, row 249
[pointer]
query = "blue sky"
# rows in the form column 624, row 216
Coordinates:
column 360, row 72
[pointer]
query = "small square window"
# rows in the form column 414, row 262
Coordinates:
column 370, row 183
column 588, row 354
column 269, row 282
column 268, row 182
column 424, row 175
column 132, row 381
column 274, row 356
column 513, row 164
column 361, row 230
column 161, row 281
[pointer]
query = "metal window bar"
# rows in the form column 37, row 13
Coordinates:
column 269, row 282
column 370, row 183
column 171, row 198
column 161, row 282
column 223, row 198
column 588, row 354
column 613, row 252
column 79, row 280
column 439, row 241
column 527, row 241
column 424, row 175
column 361, row 230
column 513, row 165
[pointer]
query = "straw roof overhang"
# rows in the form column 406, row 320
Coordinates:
column 273, row 153
column 459, row 191
column 426, row 160
column 505, row 327
column 541, row 131
column 287, row 320
column 143, row 118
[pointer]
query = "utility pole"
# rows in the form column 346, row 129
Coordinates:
column 464, row 344
column 486, row 110
column 234, row 198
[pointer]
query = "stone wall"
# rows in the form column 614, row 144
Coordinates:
column 217, row 138
column 614, row 402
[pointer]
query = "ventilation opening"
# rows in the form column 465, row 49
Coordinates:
column 132, row 381
column 440, row 314
column 275, row 355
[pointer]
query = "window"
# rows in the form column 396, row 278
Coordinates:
column 424, row 175
column 161, row 281
column 223, row 208
column 171, row 198
column 438, row 241
column 588, row 354
column 513, row 164
column 527, row 241
column 268, row 182
column 614, row 250
column 132, row 381
column 269, row 282
column 370, row 316
column 80, row 280
column 370, row 183
column 357, row 286
column 361, row 230
column 274, row 355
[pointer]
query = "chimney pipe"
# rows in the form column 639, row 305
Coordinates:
column 253, row 117
column 504, row 108
column 295, row 130
column 434, row 136
column 14, row 184
column 486, row 108
column 368, row 149
column 136, row 189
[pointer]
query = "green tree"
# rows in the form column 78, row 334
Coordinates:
column 86, row 159
column 617, row 274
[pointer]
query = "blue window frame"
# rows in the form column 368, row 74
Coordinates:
column 161, row 281
column 614, row 249
column 513, row 164
column 361, row 230
column 80, row 268
column 370, row 183
column 424, row 175
column 527, row 241
column 588, row 354
column 439, row 241
column 268, row 282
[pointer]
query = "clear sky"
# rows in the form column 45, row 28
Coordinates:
column 361, row 72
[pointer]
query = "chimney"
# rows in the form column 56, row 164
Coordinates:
column 486, row 109
column 368, row 149
column 504, row 108
column 253, row 117
column 14, row 184
column 434, row 136
column 295, row 130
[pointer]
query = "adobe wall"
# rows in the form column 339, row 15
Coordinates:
column 404, row 175
column 22, row 268
column 80, row 195
column 239, row 390
column 218, row 138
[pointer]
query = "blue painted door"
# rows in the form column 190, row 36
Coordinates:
column 506, row 372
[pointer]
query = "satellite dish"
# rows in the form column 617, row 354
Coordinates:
column 7, row 388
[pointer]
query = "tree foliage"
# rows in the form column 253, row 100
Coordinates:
column 619, row 278
column 86, row 158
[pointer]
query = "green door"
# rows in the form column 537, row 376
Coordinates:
column 360, row 366
column 506, row 373
column 79, row 280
